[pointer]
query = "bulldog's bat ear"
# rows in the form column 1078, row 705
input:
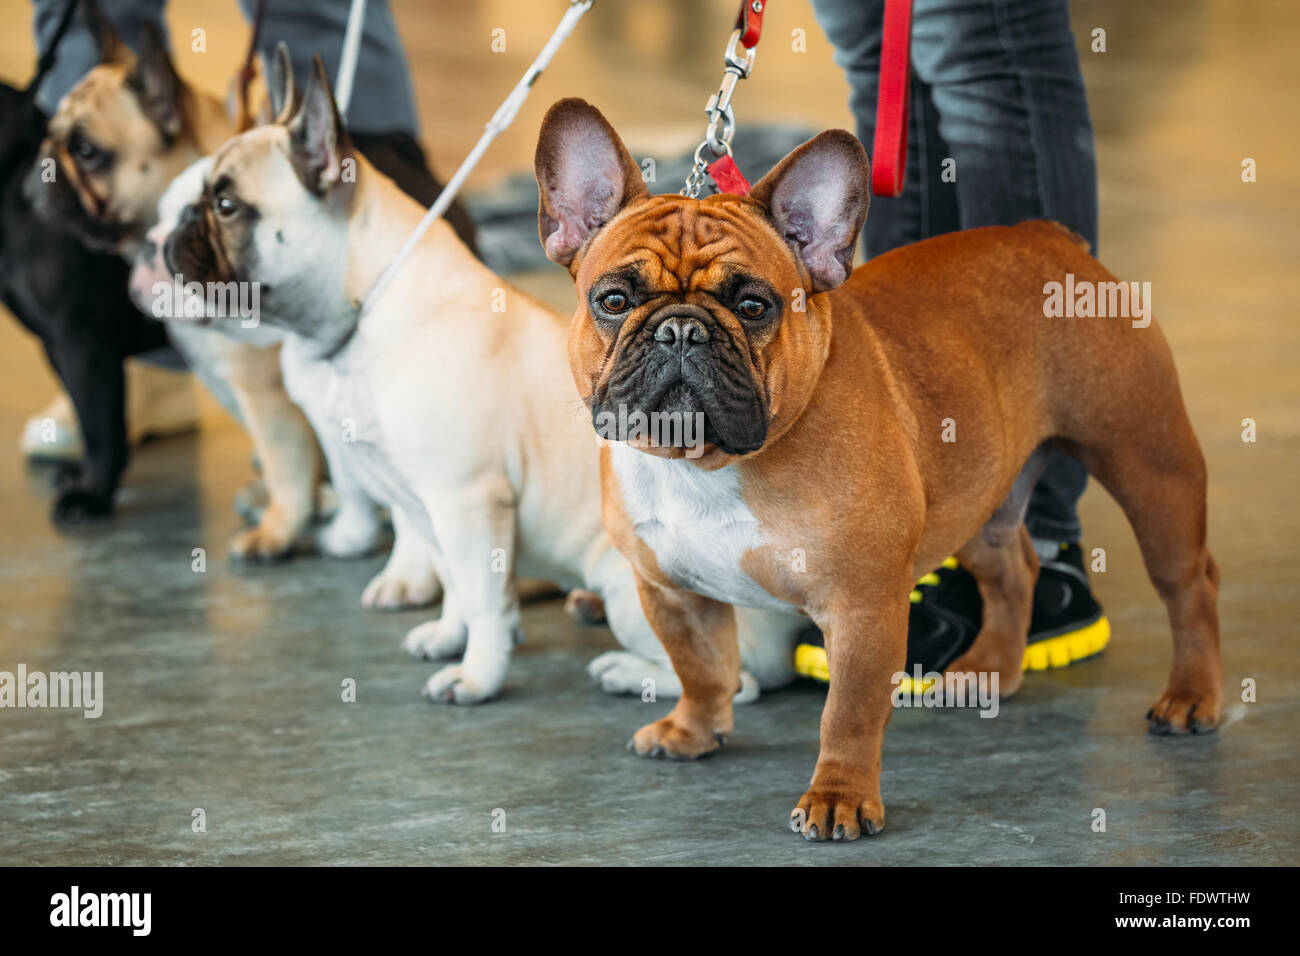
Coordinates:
column 585, row 175
column 817, row 199
column 280, row 85
column 316, row 136
column 108, row 44
column 156, row 84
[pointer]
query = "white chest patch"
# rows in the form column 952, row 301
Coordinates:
column 696, row 522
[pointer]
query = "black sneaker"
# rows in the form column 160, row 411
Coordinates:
column 1067, row 624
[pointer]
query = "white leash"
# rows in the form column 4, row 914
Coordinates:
column 500, row 120
column 348, row 59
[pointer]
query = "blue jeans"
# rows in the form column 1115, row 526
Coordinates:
column 996, row 87
column 383, row 99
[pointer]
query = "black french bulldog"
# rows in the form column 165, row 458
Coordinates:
column 75, row 301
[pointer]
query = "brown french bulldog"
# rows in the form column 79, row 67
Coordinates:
column 825, row 393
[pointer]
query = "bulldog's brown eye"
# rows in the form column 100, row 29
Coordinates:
column 751, row 308
column 224, row 206
column 614, row 302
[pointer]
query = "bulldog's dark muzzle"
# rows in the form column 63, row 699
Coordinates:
column 683, row 362
column 189, row 252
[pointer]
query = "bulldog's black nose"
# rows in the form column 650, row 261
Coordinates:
column 148, row 249
column 681, row 332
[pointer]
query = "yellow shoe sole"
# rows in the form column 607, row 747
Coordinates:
column 1051, row 652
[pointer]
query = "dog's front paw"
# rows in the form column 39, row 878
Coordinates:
column 458, row 684
column 833, row 814
column 1185, row 712
column 394, row 591
column 78, row 505
column 261, row 545
column 348, row 536
column 436, row 639
column 676, row 739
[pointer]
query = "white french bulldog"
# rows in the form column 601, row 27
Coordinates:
column 408, row 578
column 458, row 414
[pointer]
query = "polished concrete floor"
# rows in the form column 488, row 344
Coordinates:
column 223, row 688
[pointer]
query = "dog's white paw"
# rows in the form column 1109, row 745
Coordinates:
column 436, row 639
column 622, row 672
column 392, row 591
column 348, row 536
column 458, row 684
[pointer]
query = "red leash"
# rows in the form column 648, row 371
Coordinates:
column 750, row 22
column 889, row 151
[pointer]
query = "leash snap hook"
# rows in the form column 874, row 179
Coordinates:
column 720, row 132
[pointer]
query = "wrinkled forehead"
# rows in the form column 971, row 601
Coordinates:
column 676, row 242
column 98, row 99
column 255, row 163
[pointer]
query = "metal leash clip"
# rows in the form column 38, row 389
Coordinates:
column 737, row 61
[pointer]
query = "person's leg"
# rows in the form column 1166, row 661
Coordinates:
column 1013, row 111
column 77, row 53
column 997, row 89
column 1012, row 108
column 383, row 99
column 927, row 206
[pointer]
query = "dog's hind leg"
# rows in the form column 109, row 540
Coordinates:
column 1005, row 567
column 1158, row 477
